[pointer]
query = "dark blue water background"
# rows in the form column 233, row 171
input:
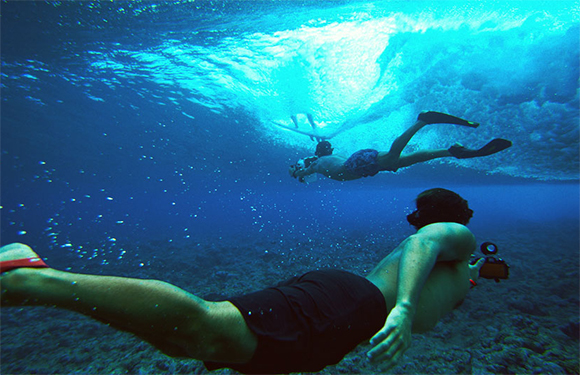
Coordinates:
column 129, row 121
column 143, row 130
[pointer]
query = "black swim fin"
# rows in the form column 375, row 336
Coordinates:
column 492, row 147
column 444, row 118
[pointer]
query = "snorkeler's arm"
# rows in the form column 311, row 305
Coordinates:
column 433, row 243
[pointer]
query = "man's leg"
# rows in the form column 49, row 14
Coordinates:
column 401, row 142
column 391, row 160
column 294, row 120
column 456, row 151
column 311, row 120
column 156, row 311
column 422, row 156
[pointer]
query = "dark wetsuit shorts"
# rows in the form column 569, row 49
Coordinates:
column 363, row 163
column 309, row 322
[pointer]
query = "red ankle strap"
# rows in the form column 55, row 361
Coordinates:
column 22, row 263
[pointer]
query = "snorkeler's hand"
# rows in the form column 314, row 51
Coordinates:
column 393, row 339
column 292, row 170
column 474, row 269
column 297, row 172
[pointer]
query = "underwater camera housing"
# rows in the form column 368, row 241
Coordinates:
column 493, row 268
column 303, row 164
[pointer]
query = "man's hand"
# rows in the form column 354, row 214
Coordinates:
column 394, row 338
column 297, row 172
column 292, row 170
column 474, row 269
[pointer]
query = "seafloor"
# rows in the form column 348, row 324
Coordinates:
column 528, row 324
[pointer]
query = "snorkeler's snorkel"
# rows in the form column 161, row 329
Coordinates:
column 493, row 268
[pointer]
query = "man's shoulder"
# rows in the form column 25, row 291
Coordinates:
column 447, row 228
column 452, row 235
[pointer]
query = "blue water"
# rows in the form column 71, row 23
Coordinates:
column 125, row 123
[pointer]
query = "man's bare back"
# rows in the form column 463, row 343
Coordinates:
column 447, row 283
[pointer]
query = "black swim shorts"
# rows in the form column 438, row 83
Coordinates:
column 363, row 163
column 309, row 322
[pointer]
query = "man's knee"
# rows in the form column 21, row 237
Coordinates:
column 216, row 332
column 225, row 337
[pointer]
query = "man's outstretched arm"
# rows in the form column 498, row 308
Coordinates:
column 419, row 253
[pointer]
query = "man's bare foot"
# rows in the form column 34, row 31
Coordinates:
column 17, row 263
column 17, row 255
column 15, row 251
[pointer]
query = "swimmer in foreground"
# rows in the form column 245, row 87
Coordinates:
column 302, row 325
column 368, row 162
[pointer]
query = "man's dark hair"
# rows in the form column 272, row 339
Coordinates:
column 439, row 206
column 323, row 148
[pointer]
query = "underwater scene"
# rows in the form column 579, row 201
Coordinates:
column 153, row 140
